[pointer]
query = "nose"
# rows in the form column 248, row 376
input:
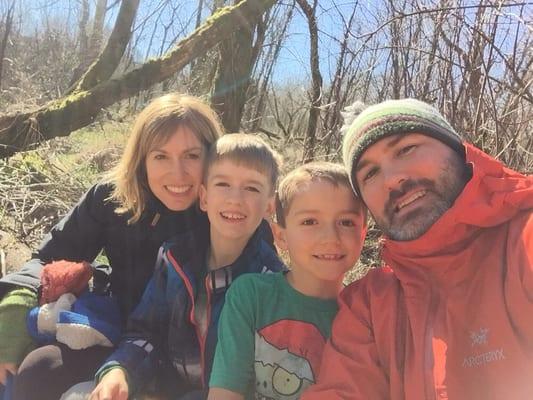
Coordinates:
column 234, row 195
column 330, row 233
column 394, row 177
column 179, row 169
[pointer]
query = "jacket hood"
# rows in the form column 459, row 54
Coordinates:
column 494, row 195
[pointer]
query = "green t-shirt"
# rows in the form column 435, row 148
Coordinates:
column 270, row 338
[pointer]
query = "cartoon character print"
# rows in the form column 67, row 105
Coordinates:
column 287, row 359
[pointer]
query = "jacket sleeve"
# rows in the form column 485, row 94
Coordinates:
column 518, row 283
column 521, row 251
column 16, row 342
column 79, row 236
column 350, row 366
column 140, row 349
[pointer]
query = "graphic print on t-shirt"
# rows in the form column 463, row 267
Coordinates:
column 287, row 359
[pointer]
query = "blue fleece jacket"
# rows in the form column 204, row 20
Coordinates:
column 162, row 337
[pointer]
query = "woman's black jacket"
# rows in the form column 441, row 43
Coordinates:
column 93, row 226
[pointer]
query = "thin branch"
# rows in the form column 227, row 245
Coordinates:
column 401, row 15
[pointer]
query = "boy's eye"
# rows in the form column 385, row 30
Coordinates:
column 252, row 189
column 309, row 221
column 222, row 184
column 347, row 222
column 407, row 149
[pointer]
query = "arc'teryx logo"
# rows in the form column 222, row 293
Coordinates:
column 481, row 338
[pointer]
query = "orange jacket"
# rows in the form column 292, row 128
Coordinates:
column 452, row 317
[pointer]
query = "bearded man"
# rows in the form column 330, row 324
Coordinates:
column 450, row 315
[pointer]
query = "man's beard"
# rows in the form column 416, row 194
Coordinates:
column 443, row 192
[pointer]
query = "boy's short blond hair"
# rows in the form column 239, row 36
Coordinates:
column 314, row 171
column 249, row 150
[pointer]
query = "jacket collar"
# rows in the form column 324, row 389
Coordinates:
column 493, row 196
column 221, row 278
column 190, row 249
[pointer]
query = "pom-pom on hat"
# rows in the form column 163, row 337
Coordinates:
column 59, row 277
column 389, row 118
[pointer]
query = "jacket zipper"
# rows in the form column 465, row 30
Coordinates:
column 204, row 338
column 155, row 220
column 429, row 356
column 199, row 338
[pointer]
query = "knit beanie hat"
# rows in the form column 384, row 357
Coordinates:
column 93, row 320
column 389, row 118
column 42, row 321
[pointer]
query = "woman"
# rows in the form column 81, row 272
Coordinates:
column 148, row 198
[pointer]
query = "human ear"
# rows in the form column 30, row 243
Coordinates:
column 269, row 208
column 202, row 196
column 279, row 235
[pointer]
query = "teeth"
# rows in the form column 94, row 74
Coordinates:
column 178, row 189
column 329, row 256
column 410, row 199
column 230, row 215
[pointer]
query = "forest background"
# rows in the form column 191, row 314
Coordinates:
column 73, row 74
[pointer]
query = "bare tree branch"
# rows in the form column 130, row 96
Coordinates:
column 20, row 131
column 437, row 10
column 107, row 62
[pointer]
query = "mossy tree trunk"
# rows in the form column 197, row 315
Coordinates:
column 21, row 131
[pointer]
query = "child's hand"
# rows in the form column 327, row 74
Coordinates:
column 112, row 386
column 6, row 368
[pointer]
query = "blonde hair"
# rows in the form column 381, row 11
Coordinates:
column 249, row 150
column 314, row 171
column 154, row 126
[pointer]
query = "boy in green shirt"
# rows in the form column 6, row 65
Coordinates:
column 273, row 327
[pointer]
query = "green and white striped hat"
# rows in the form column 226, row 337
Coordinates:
column 390, row 118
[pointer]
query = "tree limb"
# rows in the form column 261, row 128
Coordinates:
column 108, row 61
column 20, row 131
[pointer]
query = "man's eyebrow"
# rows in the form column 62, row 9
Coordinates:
column 394, row 140
column 361, row 165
